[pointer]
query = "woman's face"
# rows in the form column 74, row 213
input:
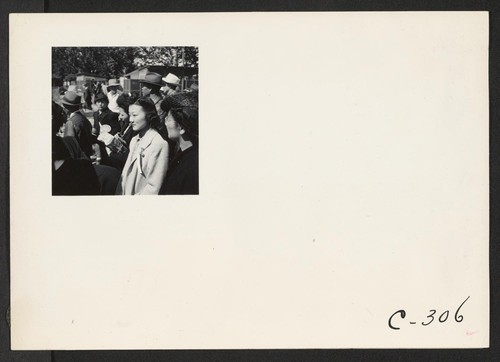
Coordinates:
column 173, row 128
column 137, row 117
column 122, row 115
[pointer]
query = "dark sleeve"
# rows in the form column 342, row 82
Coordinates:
column 104, row 154
column 89, row 182
column 96, row 123
column 182, row 179
column 77, row 129
column 108, row 178
column 127, row 136
column 111, row 119
column 117, row 160
column 75, row 177
column 115, row 125
column 74, row 148
column 190, row 184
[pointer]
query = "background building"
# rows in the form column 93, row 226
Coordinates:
column 131, row 81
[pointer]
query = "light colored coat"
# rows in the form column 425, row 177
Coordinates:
column 146, row 165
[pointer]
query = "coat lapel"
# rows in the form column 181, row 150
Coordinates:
column 102, row 115
column 138, row 147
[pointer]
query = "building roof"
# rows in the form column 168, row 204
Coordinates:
column 135, row 70
column 90, row 75
column 179, row 71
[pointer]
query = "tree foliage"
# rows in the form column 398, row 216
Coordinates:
column 112, row 62
column 172, row 56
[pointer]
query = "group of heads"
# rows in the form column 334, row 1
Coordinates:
column 153, row 83
column 181, row 108
column 181, row 121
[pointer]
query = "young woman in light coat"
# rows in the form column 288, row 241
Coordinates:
column 147, row 161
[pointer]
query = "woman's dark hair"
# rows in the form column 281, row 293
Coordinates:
column 133, row 97
column 123, row 101
column 187, row 118
column 150, row 109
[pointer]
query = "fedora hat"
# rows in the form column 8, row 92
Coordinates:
column 172, row 79
column 113, row 83
column 71, row 99
column 153, row 79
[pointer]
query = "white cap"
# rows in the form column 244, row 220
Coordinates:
column 172, row 79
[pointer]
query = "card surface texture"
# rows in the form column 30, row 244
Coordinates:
column 343, row 189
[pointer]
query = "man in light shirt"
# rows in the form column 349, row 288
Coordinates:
column 172, row 82
column 113, row 94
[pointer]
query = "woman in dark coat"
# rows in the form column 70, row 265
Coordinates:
column 69, row 176
column 182, row 174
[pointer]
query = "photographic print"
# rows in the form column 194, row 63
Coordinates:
column 124, row 120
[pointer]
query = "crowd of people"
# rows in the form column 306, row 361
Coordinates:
column 133, row 144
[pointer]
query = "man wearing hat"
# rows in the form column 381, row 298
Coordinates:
column 113, row 86
column 77, row 125
column 150, row 87
column 172, row 82
column 105, row 116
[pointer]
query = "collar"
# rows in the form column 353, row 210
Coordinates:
column 73, row 113
column 146, row 140
column 180, row 154
column 138, row 145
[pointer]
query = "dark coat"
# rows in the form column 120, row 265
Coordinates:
column 182, row 174
column 162, row 130
column 117, row 160
column 82, row 129
column 109, row 118
column 75, row 177
column 108, row 178
column 87, row 97
column 128, row 133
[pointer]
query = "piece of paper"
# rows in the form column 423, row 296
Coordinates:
column 343, row 180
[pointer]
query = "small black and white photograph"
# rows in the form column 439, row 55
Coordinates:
column 125, row 121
